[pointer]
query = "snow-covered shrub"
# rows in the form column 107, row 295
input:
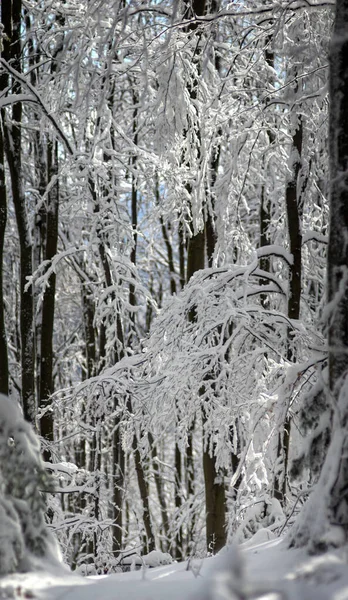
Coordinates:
column 261, row 518
column 24, row 536
column 314, row 421
column 11, row 540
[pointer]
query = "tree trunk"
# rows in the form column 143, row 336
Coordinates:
column 215, row 502
column 179, row 551
column 89, row 330
column 265, row 204
column 293, row 201
column 324, row 519
column 11, row 19
column 214, row 486
column 195, row 262
column 144, row 495
column 160, row 492
column 338, row 261
column 215, row 496
column 4, row 375
column 48, row 303
column 134, row 216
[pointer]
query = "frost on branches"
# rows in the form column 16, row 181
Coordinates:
column 152, row 131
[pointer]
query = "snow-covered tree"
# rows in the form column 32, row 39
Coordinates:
column 25, row 540
column 172, row 137
column 323, row 522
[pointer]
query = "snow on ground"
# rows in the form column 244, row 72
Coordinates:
column 268, row 570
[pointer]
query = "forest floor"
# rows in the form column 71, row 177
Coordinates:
column 269, row 571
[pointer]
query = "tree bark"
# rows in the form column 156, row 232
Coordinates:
column 293, row 202
column 215, row 496
column 160, row 492
column 214, row 485
column 48, row 303
column 4, row 375
column 265, row 204
column 150, row 543
column 11, row 19
column 326, row 512
column 195, row 262
column 338, row 260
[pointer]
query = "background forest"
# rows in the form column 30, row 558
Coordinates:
column 164, row 184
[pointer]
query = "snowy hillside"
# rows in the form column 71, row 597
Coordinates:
column 267, row 570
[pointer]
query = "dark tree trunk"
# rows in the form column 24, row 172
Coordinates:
column 195, row 254
column 149, row 538
column 195, row 262
column 134, row 216
column 327, row 508
column 39, row 245
column 338, row 248
column 265, row 204
column 215, row 502
column 338, row 262
column 5, row 53
column 215, row 496
column 293, row 201
column 293, row 211
column 170, row 256
column 118, row 473
column 214, row 486
column 179, row 537
column 48, row 303
column 182, row 253
column 40, row 184
column 144, row 495
column 160, row 492
column 11, row 18
column 89, row 330
column 179, row 551
column 4, row 375
column 177, row 453
column 118, row 454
